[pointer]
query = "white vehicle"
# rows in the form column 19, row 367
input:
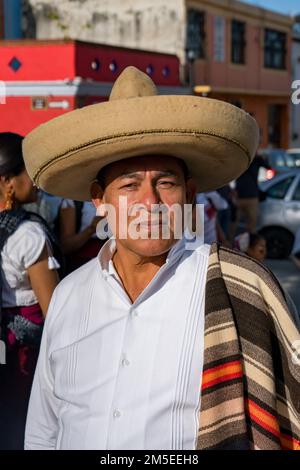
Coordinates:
column 279, row 213
column 295, row 154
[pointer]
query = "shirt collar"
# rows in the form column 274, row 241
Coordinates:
column 106, row 254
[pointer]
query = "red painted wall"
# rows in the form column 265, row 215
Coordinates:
column 59, row 60
column 39, row 61
column 18, row 116
column 87, row 53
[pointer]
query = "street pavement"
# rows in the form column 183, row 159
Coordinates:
column 289, row 277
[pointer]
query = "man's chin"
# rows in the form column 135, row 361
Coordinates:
column 150, row 247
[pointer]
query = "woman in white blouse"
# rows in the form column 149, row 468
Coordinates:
column 28, row 279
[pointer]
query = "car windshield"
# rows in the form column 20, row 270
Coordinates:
column 278, row 159
column 293, row 160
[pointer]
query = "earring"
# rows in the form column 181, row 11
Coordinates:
column 9, row 199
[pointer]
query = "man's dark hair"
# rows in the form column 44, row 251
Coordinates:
column 101, row 176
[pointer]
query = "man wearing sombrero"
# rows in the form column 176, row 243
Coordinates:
column 152, row 345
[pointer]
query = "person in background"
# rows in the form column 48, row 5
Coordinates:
column 47, row 206
column 248, row 194
column 28, row 279
column 253, row 244
column 225, row 215
column 257, row 247
column 77, row 232
column 213, row 203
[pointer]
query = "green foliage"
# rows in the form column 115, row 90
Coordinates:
column 52, row 15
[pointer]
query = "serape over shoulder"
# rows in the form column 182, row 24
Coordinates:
column 251, row 376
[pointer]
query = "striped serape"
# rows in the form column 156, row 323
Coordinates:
column 251, row 376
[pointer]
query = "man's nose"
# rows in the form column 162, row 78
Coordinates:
column 150, row 196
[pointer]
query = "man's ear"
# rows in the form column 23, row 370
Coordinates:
column 191, row 191
column 97, row 196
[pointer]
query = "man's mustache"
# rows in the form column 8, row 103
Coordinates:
column 150, row 220
column 157, row 216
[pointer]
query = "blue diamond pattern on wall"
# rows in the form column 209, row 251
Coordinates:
column 15, row 64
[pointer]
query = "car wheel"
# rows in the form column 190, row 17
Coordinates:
column 279, row 242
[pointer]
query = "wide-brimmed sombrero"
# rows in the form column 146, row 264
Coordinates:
column 216, row 139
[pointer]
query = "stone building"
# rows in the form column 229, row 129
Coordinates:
column 157, row 25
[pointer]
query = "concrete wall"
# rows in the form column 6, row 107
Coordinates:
column 156, row 25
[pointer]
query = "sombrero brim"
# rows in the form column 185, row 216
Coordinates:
column 217, row 140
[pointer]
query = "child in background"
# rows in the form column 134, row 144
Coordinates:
column 253, row 244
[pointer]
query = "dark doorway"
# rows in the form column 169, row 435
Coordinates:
column 274, row 124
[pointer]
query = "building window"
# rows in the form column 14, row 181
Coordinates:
column 195, row 34
column 166, row 71
column 274, row 124
column 275, row 49
column 95, row 65
column 113, row 66
column 238, row 43
column 150, row 69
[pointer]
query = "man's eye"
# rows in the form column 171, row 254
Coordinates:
column 130, row 186
column 166, row 183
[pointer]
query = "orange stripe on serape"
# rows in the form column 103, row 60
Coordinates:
column 262, row 417
column 288, row 443
column 221, row 373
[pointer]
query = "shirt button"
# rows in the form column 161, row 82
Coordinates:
column 135, row 313
column 125, row 362
column 116, row 414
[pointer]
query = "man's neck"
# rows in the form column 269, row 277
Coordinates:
column 135, row 271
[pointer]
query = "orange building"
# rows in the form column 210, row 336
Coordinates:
column 242, row 54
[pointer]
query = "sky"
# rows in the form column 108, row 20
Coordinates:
column 283, row 6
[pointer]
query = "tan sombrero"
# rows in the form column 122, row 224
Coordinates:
column 217, row 140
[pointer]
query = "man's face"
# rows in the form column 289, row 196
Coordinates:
column 135, row 187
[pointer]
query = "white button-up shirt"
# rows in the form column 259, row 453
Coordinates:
column 113, row 374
